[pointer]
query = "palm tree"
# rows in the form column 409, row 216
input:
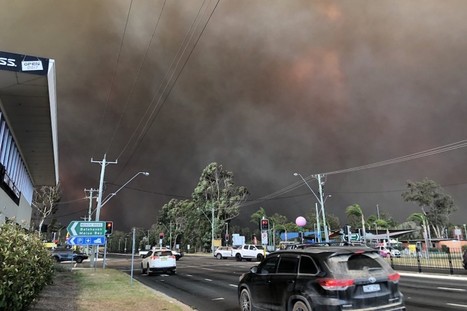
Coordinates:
column 354, row 212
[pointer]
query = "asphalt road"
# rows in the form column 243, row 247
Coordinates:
column 205, row 283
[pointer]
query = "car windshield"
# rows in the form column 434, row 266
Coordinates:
column 358, row 265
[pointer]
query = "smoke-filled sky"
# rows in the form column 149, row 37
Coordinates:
column 265, row 88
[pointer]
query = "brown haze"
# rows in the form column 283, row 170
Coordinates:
column 269, row 89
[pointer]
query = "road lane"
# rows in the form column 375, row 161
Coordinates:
column 205, row 283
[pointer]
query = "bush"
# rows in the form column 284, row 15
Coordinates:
column 26, row 267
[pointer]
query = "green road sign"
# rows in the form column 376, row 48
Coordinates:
column 355, row 237
column 86, row 228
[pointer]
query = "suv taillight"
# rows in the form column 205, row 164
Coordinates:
column 336, row 284
column 394, row 277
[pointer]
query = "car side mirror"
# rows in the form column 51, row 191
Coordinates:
column 254, row 269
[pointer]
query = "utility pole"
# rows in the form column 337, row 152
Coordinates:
column 321, row 201
column 90, row 197
column 103, row 163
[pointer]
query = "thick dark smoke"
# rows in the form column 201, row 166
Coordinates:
column 271, row 88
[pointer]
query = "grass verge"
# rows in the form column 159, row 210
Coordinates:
column 110, row 289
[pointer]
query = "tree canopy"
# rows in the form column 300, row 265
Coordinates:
column 435, row 203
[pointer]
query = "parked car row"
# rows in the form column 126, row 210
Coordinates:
column 389, row 252
column 247, row 251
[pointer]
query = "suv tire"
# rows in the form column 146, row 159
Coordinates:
column 260, row 257
column 238, row 256
column 300, row 306
column 79, row 259
column 245, row 301
column 143, row 271
column 219, row 256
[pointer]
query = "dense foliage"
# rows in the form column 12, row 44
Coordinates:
column 26, row 267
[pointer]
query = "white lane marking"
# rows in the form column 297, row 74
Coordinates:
column 456, row 305
column 233, row 285
column 209, row 280
column 189, row 275
column 215, row 299
column 207, row 269
column 452, row 289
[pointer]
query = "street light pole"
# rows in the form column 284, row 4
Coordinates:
column 111, row 195
column 319, row 199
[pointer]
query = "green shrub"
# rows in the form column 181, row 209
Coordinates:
column 26, row 267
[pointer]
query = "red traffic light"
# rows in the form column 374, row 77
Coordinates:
column 264, row 224
column 109, row 227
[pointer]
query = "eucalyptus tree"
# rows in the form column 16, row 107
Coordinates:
column 435, row 203
column 217, row 197
column 178, row 218
column 45, row 201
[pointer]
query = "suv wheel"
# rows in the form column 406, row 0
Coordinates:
column 238, row 256
column 143, row 271
column 245, row 300
column 79, row 259
column 219, row 256
column 260, row 257
column 57, row 259
column 300, row 306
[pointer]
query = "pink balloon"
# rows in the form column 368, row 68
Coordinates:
column 300, row 221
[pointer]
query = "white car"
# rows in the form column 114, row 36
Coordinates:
column 395, row 252
column 223, row 252
column 159, row 260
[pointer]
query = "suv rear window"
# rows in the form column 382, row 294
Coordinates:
column 358, row 265
column 163, row 253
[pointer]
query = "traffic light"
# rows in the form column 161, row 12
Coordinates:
column 161, row 235
column 264, row 224
column 109, row 227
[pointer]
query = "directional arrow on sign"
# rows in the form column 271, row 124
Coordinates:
column 86, row 228
column 86, row 240
column 72, row 229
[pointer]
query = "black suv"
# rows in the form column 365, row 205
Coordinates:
column 321, row 278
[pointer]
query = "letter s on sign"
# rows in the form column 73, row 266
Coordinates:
column 10, row 62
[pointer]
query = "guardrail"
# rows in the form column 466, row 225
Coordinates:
column 438, row 262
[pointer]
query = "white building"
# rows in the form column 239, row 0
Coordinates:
column 28, row 133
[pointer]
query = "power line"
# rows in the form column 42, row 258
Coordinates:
column 169, row 87
column 133, row 87
column 413, row 156
column 114, row 75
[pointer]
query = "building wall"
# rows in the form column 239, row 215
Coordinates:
column 21, row 212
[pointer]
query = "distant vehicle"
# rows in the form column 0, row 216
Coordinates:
column 67, row 254
column 394, row 252
column 143, row 252
column 249, row 252
column 321, row 278
column 177, row 254
column 224, row 252
column 383, row 251
column 159, row 260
